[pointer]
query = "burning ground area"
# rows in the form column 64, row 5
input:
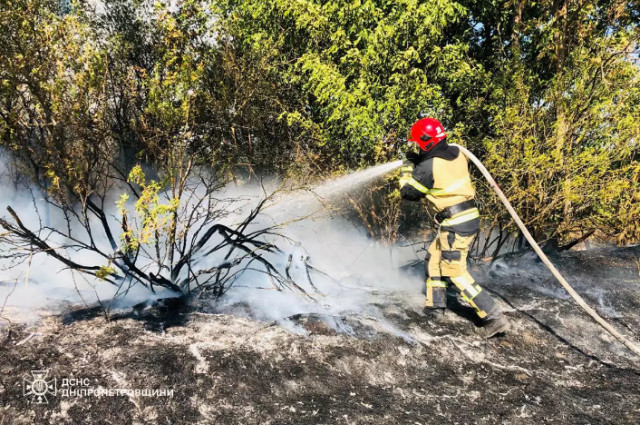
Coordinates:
column 557, row 366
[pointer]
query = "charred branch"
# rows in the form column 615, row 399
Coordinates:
column 195, row 237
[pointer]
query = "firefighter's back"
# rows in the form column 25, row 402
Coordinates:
column 451, row 182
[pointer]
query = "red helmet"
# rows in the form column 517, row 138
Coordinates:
column 427, row 133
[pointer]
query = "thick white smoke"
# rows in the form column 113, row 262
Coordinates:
column 359, row 272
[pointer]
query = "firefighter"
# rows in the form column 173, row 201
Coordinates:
column 440, row 174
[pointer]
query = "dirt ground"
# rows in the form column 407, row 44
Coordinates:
column 557, row 366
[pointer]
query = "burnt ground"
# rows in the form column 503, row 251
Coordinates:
column 556, row 367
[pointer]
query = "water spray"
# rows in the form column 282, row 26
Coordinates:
column 351, row 181
column 579, row 300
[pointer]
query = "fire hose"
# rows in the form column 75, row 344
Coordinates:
column 578, row 299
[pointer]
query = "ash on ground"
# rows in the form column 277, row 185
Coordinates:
column 387, row 366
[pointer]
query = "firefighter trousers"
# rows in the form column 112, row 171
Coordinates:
column 446, row 264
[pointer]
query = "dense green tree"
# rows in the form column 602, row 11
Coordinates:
column 51, row 98
column 365, row 68
column 78, row 92
column 562, row 116
column 546, row 93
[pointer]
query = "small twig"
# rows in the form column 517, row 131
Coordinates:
column 25, row 340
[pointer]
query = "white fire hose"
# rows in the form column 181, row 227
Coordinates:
column 630, row 344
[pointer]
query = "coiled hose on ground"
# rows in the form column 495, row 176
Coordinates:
column 606, row 325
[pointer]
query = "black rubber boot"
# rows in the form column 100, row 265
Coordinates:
column 493, row 325
column 434, row 314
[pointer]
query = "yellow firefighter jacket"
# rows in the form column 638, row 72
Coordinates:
column 442, row 177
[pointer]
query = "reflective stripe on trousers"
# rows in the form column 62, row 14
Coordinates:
column 447, row 262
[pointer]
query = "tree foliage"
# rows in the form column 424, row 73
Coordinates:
column 565, row 117
column 365, row 69
column 88, row 114
column 547, row 93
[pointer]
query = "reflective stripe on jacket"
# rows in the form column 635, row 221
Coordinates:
column 444, row 181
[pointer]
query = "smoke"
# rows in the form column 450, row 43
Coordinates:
column 359, row 274
column 41, row 285
column 349, row 273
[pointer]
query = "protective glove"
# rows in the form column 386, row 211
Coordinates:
column 413, row 157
